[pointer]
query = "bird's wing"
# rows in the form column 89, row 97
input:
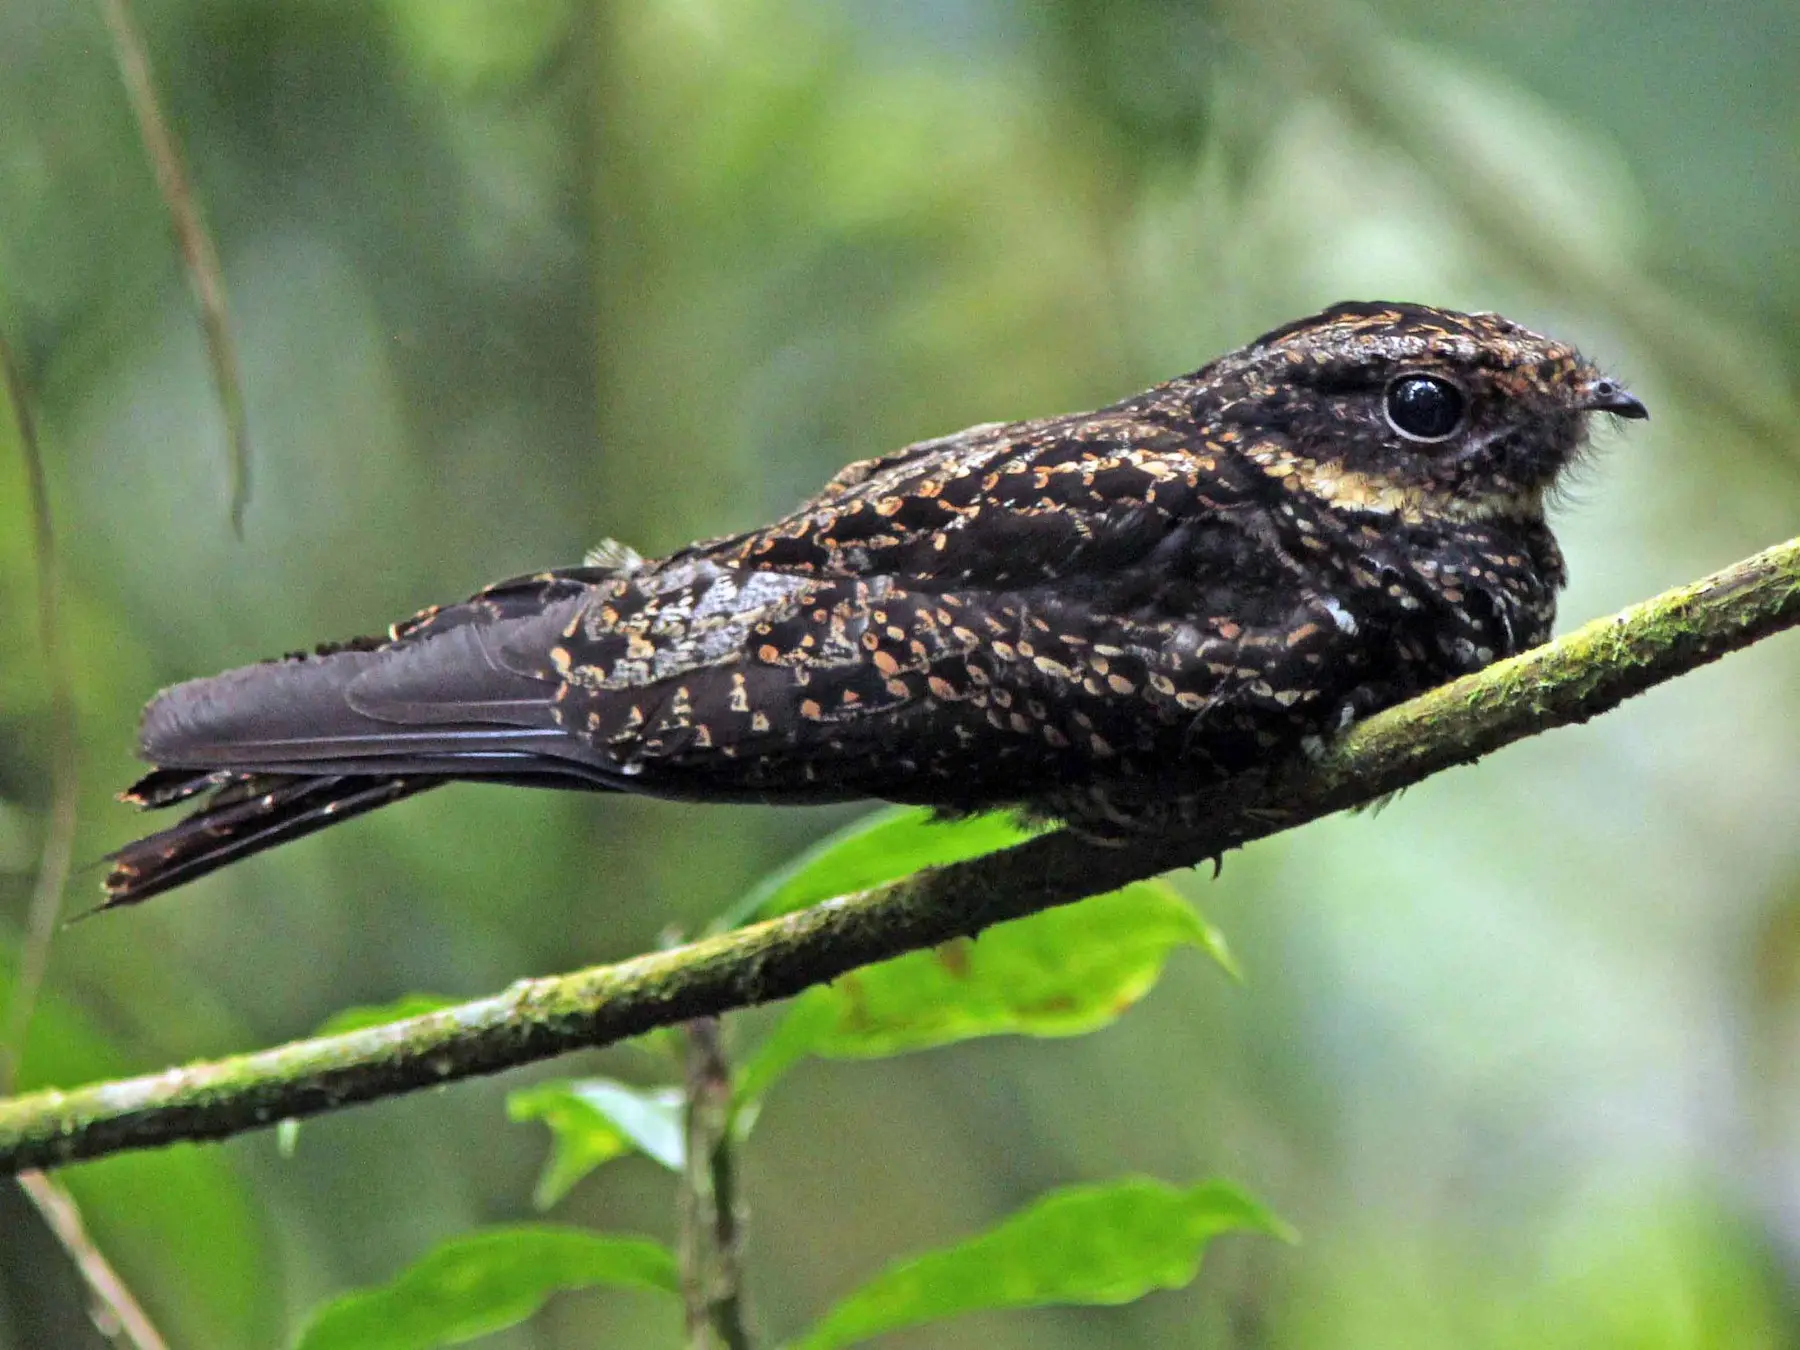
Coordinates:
column 1002, row 506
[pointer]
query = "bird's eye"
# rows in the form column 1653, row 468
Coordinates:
column 1425, row 408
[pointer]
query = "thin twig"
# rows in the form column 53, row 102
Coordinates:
column 59, row 836
column 116, row 1312
column 711, row 1227
column 198, row 255
column 1580, row 676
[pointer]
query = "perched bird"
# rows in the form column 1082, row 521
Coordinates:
column 1094, row 618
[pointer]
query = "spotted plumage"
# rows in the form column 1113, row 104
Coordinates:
column 1100, row 618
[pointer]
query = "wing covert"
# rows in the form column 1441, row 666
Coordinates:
column 1002, row 506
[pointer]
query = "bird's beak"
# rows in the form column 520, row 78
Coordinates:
column 1612, row 397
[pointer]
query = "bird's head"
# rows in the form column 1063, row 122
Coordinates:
column 1410, row 410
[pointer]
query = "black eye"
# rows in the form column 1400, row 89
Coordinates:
column 1425, row 408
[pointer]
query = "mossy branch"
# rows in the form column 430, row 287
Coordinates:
column 1584, row 674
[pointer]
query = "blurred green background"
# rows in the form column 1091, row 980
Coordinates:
column 1520, row 1057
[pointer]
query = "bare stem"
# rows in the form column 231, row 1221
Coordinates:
column 1580, row 676
column 117, row 1313
column 711, row 1215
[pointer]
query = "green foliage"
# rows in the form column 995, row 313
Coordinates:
column 475, row 45
column 1083, row 1244
column 883, row 845
column 1060, row 973
column 1623, row 1269
column 595, row 1120
column 477, row 1284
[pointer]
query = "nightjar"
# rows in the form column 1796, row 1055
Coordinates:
column 1093, row 618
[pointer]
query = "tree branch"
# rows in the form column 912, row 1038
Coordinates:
column 1586, row 673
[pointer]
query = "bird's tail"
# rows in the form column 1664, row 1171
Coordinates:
column 245, row 813
column 272, row 752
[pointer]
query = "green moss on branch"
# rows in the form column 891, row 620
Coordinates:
column 1580, row 676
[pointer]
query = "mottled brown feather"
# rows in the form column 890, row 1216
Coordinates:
column 1104, row 618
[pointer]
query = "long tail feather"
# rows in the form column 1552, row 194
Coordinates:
column 276, row 751
column 248, row 814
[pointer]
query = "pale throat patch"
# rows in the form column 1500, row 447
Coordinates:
column 1355, row 490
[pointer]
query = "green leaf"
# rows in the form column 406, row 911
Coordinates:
column 483, row 1282
column 366, row 1015
column 880, row 847
column 1059, row 973
column 594, row 1120
column 1085, row 1244
column 472, row 45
